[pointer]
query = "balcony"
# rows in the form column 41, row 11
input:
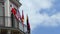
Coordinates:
column 17, row 26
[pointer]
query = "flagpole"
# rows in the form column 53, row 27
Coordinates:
column 23, row 19
column 23, row 27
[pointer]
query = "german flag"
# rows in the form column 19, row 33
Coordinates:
column 28, row 25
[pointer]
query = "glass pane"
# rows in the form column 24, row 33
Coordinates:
column 1, row 21
column 20, row 26
column 1, row 9
column 25, row 28
column 6, row 21
column 15, row 23
column 12, row 20
column 9, row 21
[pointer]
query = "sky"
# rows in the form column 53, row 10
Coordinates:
column 44, row 15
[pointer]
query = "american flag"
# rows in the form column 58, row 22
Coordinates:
column 18, row 16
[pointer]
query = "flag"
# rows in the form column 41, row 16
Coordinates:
column 13, row 11
column 28, row 25
column 18, row 16
column 22, row 17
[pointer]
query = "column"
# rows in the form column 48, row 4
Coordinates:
column 7, row 13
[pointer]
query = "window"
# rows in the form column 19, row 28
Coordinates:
column 1, row 21
column 14, row 21
column 1, row 14
column 1, row 9
column 7, row 21
column 20, row 26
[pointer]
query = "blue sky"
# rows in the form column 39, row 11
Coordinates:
column 44, row 15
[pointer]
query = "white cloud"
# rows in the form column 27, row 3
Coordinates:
column 54, row 20
column 31, row 7
column 43, row 3
column 45, row 20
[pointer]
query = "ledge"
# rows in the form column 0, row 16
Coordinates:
column 17, row 3
column 10, row 28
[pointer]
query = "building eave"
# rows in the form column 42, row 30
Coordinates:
column 17, row 3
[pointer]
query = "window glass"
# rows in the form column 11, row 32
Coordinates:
column 14, row 21
column 1, row 14
column 1, row 9
column 20, row 26
column 1, row 21
column 6, row 21
column 25, row 28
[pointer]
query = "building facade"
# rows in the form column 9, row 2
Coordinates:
column 8, row 23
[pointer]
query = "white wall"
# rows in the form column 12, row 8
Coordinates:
column 7, row 22
column 8, row 9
